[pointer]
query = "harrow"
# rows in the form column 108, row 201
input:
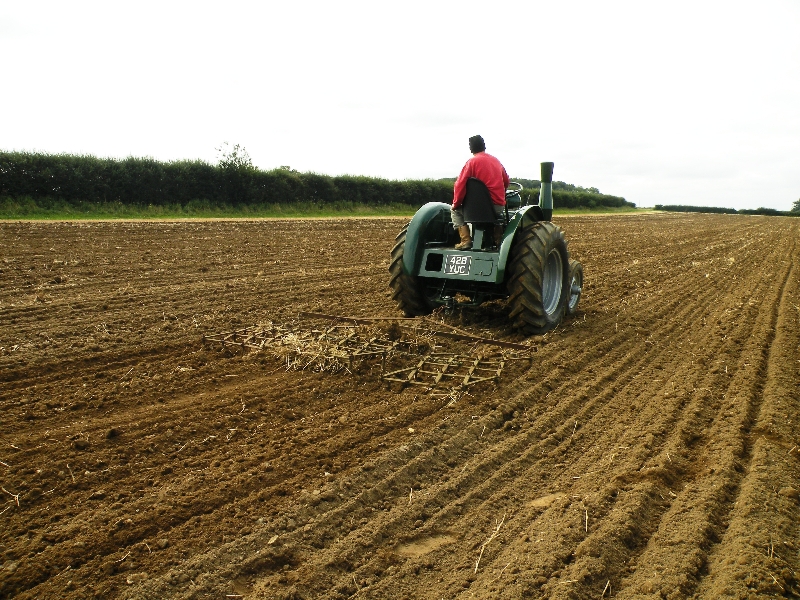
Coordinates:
column 406, row 359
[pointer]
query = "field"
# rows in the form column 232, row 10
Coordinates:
column 649, row 449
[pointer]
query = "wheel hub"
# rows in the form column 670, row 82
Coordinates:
column 551, row 284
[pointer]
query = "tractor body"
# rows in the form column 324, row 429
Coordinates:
column 445, row 272
column 530, row 264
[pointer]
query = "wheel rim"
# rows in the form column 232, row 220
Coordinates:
column 576, row 286
column 551, row 286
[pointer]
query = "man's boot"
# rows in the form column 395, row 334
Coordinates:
column 466, row 239
column 499, row 230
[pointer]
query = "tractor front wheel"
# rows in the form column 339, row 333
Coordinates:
column 538, row 278
column 406, row 289
column 575, row 286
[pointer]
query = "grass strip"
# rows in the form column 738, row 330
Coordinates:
column 31, row 210
column 55, row 210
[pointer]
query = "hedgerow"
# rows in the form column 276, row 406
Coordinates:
column 728, row 211
column 75, row 180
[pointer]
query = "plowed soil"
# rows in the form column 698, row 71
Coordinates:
column 649, row 450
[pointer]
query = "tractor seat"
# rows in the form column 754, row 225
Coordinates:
column 478, row 210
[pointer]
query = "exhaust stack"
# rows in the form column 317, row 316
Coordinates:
column 546, row 193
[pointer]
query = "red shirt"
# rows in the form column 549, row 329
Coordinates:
column 489, row 170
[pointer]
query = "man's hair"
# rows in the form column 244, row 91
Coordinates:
column 476, row 144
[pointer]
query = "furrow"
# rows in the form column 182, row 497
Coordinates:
column 692, row 525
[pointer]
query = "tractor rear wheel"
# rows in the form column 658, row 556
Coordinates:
column 407, row 290
column 538, row 278
column 575, row 286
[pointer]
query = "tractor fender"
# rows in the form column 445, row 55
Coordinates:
column 523, row 217
column 416, row 233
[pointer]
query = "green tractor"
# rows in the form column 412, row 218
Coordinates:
column 528, row 264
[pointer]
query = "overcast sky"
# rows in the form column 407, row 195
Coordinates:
column 660, row 102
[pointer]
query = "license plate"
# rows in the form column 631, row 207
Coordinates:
column 457, row 264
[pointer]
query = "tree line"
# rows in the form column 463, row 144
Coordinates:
column 235, row 182
column 795, row 212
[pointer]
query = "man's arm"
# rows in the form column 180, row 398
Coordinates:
column 460, row 187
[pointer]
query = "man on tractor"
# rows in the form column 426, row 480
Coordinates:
column 491, row 172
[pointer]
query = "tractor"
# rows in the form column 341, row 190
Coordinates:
column 529, row 264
